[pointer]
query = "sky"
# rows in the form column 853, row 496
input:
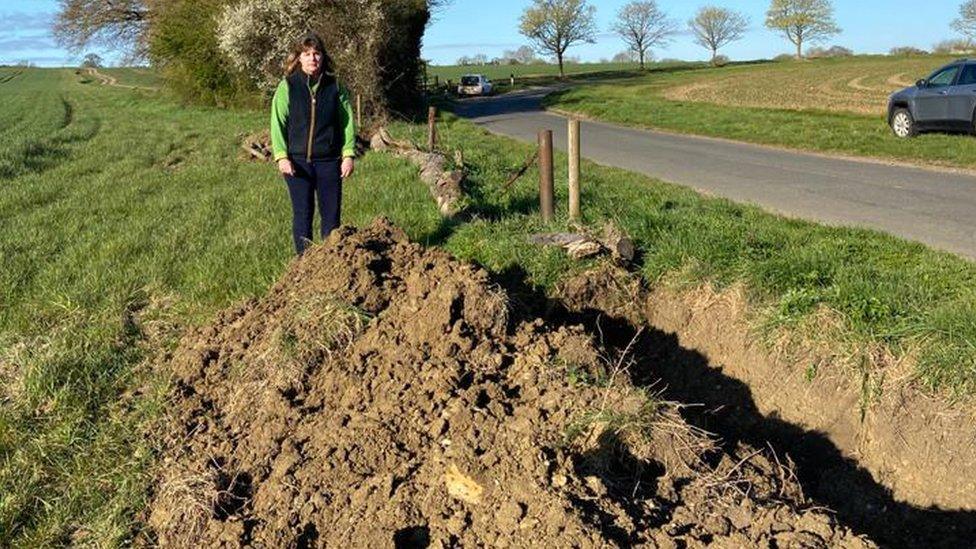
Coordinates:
column 470, row 27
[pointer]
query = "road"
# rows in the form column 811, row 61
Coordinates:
column 931, row 206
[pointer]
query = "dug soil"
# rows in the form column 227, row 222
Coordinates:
column 384, row 394
column 889, row 461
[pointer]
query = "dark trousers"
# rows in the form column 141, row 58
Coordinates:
column 319, row 177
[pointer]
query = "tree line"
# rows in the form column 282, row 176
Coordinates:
column 553, row 26
column 234, row 51
column 219, row 51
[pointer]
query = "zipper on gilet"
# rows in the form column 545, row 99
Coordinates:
column 311, row 127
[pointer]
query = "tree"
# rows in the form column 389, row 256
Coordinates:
column 966, row 23
column 525, row 55
column 715, row 27
column 376, row 49
column 626, row 57
column 802, row 21
column 641, row 25
column 113, row 23
column 958, row 46
column 907, row 51
column 92, row 61
column 555, row 25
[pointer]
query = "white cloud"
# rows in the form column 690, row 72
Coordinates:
column 19, row 21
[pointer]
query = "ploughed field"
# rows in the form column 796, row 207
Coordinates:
column 858, row 85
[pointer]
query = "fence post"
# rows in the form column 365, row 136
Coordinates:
column 574, row 169
column 545, row 176
column 431, row 128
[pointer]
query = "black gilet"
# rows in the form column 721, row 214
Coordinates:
column 313, row 122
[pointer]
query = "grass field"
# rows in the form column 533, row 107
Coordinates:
column 143, row 77
column 828, row 105
column 500, row 72
column 117, row 234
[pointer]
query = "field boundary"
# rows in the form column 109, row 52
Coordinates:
column 107, row 80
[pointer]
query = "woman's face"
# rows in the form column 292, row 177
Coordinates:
column 311, row 61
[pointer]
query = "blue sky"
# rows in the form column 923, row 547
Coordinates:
column 468, row 27
column 25, row 33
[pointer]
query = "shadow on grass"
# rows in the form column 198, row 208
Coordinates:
column 828, row 477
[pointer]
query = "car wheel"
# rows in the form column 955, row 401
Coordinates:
column 902, row 124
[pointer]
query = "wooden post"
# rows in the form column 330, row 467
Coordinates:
column 545, row 176
column 436, row 83
column 431, row 128
column 574, row 169
column 359, row 110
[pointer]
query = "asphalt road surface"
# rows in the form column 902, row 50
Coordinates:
column 935, row 207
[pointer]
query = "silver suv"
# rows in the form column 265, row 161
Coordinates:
column 946, row 100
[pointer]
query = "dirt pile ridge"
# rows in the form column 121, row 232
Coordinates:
column 383, row 395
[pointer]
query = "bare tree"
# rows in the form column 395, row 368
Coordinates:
column 121, row 24
column 715, row 27
column 555, row 25
column 642, row 25
column 525, row 55
column 802, row 21
column 966, row 23
column 625, row 57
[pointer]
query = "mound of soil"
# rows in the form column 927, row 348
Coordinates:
column 383, row 394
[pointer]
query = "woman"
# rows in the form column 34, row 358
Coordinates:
column 313, row 138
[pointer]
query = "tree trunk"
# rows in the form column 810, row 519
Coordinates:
column 642, row 60
column 799, row 49
column 559, row 57
column 714, row 56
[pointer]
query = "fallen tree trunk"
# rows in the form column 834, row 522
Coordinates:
column 581, row 246
column 444, row 184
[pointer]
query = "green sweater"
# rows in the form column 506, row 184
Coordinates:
column 279, row 121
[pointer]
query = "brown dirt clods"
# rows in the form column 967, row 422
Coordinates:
column 383, row 395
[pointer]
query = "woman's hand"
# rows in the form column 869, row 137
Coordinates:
column 348, row 166
column 286, row 167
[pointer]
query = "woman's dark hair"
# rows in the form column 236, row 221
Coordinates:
column 309, row 41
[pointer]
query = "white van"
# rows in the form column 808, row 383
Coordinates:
column 474, row 84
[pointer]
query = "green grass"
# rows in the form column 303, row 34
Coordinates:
column 147, row 210
column 641, row 102
column 36, row 122
column 498, row 72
